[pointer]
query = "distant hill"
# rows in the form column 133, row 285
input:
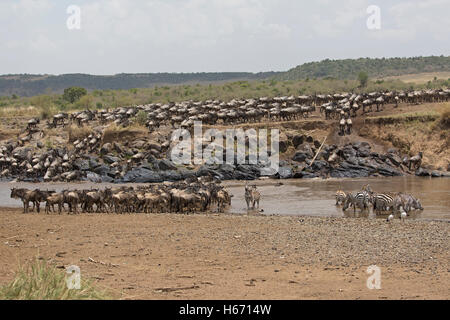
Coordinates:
column 30, row 85
column 375, row 68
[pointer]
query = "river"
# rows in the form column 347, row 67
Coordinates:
column 309, row 197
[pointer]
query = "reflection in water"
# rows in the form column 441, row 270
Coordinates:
column 317, row 197
column 302, row 197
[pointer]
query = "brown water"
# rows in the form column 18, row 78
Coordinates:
column 316, row 197
column 312, row 197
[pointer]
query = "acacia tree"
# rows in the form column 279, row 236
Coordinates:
column 363, row 78
column 73, row 94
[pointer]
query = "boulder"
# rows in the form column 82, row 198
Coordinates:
column 93, row 177
column 298, row 140
column 142, row 175
column 284, row 173
column 166, row 165
column 80, row 164
column 110, row 159
column 394, row 159
column 422, row 173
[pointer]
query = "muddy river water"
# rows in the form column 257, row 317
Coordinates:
column 309, row 197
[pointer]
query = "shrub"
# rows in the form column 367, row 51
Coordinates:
column 40, row 281
column 46, row 112
column 445, row 119
column 141, row 117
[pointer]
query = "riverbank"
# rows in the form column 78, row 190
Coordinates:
column 380, row 144
column 169, row 256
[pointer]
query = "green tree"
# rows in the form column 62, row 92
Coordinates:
column 73, row 94
column 363, row 78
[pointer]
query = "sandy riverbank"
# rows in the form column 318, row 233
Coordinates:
column 169, row 256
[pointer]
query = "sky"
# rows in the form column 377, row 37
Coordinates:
column 146, row 36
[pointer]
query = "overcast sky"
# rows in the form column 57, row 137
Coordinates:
column 212, row 35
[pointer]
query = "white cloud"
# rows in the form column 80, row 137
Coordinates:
column 211, row 35
column 410, row 19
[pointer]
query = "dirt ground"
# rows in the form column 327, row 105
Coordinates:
column 170, row 256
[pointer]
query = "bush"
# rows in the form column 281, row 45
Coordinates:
column 46, row 112
column 141, row 117
column 40, row 281
column 445, row 119
column 363, row 79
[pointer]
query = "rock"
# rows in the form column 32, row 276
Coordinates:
column 142, row 175
column 386, row 170
column 300, row 157
column 436, row 174
column 93, row 163
column 320, row 165
column 347, row 152
column 227, row 171
column 284, row 173
column 110, row 159
column 298, row 140
column 93, row 177
column 171, row 175
column 309, row 175
column 394, row 158
column 422, row 173
column 304, row 152
column 166, row 165
column 363, row 152
column 102, row 170
column 39, row 144
column 80, row 164
column 348, row 173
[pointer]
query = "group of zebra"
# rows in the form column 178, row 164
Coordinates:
column 382, row 203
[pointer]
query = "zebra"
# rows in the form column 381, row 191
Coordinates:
column 340, row 197
column 361, row 199
column 256, row 196
column 383, row 202
column 407, row 201
column 248, row 195
column 252, row 196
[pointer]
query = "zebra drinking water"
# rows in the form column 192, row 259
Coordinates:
column 361, row 199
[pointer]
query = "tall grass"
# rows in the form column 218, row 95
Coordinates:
column 41, row 281
column 78, row 133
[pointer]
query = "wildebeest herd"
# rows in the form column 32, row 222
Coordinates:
column 194, row 195
column 236, row 111
column 381, row 203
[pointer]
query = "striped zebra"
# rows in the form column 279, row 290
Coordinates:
column 361, row 199
column 383, row 202
column 340, row 197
